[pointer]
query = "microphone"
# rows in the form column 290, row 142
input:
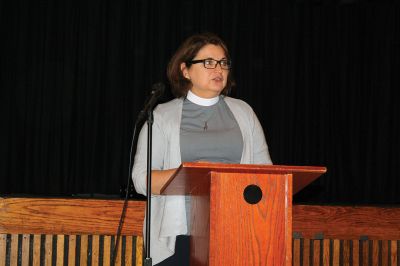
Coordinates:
column 157, row 90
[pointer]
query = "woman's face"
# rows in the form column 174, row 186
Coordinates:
column 207, row 83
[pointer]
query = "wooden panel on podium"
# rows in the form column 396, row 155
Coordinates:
column 226, row 228
column 258, row 234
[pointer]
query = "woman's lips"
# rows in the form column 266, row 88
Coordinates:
column 218, row 79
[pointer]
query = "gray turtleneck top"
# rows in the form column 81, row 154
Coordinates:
column 209, row 133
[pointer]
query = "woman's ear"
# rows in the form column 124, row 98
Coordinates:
column 185, row 71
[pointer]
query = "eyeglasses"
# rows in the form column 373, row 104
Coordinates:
column 212, row 63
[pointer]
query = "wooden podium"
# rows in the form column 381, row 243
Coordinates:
column 240, row 214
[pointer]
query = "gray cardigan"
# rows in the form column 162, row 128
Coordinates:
column 168, row 214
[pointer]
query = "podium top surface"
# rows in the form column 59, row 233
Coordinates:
column 189, row 174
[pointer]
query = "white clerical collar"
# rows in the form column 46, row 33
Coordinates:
column 201, row 101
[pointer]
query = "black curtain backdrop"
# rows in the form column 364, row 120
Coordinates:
column 321, row 76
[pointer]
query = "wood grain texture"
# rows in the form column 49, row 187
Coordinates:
column 52, row 250
column 316, row 252
column 296, row 252
column 107, row 251
column 69, row 216
column 346, row 253
column 336, row 252
column 25, row 250
column 385, row 252
column 95, row 250
column 258, row 234
column 365, row 252
column 340, row 222
column 356, row 252
column 375, row 252
column 189, row 175
column 14, row 250
column 3, row 246
column 60, row 250
column 119, row 253
column 306, row 252
column 218, row 200
column 72, row 248
column 200, row 224
column 128, row 251
column 48, row 250
column 393, row 253
column 330, row 222
column 326, row 255
column 36, row 249
column 84, row 251
column 139, row 251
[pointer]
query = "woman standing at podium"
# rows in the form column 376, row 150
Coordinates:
column 201, row 124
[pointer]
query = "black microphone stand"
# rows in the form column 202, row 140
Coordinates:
column 150, row 120
column 157, row 91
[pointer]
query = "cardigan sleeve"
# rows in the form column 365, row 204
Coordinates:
column 139, row 171
column 260, row 147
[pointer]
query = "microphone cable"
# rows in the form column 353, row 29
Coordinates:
column 156, row 92
column 125, row 205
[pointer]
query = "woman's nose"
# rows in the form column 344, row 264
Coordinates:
column 218, row 68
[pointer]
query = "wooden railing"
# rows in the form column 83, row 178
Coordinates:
column 338, row 235
column 39, row 231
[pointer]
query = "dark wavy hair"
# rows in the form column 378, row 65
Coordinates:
column 186, row 52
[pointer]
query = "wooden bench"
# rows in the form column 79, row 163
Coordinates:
column 40, row 231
